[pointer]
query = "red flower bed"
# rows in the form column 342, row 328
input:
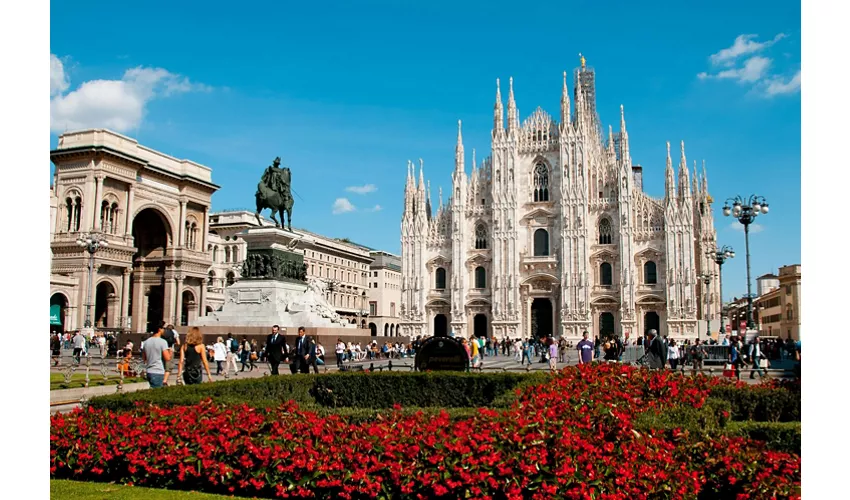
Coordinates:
column 569, row 438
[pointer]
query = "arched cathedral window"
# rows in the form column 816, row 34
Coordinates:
column 605, row 278
column 541, row 243
column 604, row 232
column 480, row 277
column 480, row 237
column 440, row 279
column 650, row 273
column 73, row 207
column 541, row 183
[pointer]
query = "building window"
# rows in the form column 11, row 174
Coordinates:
column 541, row 183
column 480, row 277
column 109, row 217
column 789, row 312
column 74, row 208
column 650, row 276
column 480, row 237
column 227, row 254
column 787, row 289
column 440, row 279
column 605, row 274
column 604, row 232
column 392, row 309
column 541, row 243
column 231, row 278
column 373, row 308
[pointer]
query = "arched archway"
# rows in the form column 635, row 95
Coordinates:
column 231, row 278
column 651, row 321
column 606, row 325
column 363, row 324
column 208, row 310
column 374, row 329
column 392, row 330
column 188, row 305
column 541, row 318
column 105, row 306
column 386, row 329
column 152, row 237
column 58, row 307
column 479, row 325
column 441, row 325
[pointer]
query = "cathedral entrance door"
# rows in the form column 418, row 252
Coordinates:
column 155, row 303
column 606, row 325
column 651, row 321
column 480, row 325
column 441, row 326
column 541, row 318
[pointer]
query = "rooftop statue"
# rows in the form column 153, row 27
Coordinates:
column 274, row 193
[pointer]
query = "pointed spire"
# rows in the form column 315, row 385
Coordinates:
column 610, row 139
column 704, row 179
column 684, row 182
column 513, row 119
column 428, row 201
column 565, row 103
column 473, row 158
column 696, row 179
column 624, row 139
column 459, row 149
column 498, row 114
column 421, row 185
column 580, row 108
column 670, row 181
column 441, row 197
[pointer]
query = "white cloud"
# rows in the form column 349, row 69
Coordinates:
column 752, row 71
column 58, row 79
column 778, row 85
column 342, row 205
column 376, row 208
column 742, row 46
column 754, row 227
column 115, row 104
column 365, row 189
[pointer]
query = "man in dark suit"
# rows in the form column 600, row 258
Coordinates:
column 656, row 351
column 276, row 348
column 302, row 352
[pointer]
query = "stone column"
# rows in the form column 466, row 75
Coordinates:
column 205, row 227
column 178, row 307
column 202, row 302
column 181, row 225
column 125, row 297
column 98, row 193
column 139, row 306
column 168, row 296
column 128, row 224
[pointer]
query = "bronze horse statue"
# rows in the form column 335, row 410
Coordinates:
column 273, row 192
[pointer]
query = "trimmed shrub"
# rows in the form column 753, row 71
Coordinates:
column 428, row 389
column 777, row 436
column 334, row 390
column 712, row 417
column 760, row 403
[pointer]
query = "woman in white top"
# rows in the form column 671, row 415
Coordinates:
column 673, row 354
column 219, row 354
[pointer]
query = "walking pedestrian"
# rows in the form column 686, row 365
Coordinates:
column 585, row 349
column 673, row 354
column 220, row 354
column 697, row 355
column 232, row 346
column 55, row 348
column 755, row 355
column 276, row 349
column 245, row 354
column 553, row 355
column 79, row 345
column 193, row 358
column 155, row 353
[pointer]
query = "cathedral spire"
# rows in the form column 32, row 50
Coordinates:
column 610, row 139
column 684, row 182
column 565, row 103
column 498, row 113
column 513, row 119
column 704, row 179
column 441, row 198
column 580, row 104
column 473, row 158
column 459, row 149
column 624, row 140
column 670, row 181
column 696, row 180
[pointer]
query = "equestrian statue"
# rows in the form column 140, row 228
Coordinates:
column 274, row 193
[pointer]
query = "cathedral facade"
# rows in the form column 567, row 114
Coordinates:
column 552, row 234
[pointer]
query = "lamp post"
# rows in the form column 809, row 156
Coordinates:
column 719, row 256
column 362, row 308
column 746, row 210
column 706, row 279
column 91, row 243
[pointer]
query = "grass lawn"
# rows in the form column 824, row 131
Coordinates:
column 57, row 380
column 80, row 490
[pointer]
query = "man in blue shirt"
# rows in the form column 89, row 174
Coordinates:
column 585, row 349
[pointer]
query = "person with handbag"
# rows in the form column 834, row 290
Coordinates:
column 755, row 357
column 193, row 358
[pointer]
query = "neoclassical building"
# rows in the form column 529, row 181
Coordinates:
column 552, row 234
column 153, row 211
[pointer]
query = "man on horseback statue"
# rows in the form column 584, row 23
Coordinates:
column 274, row 193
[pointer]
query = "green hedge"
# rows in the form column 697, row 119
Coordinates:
column 761, row 404
column 428, row 389
column 708, row 419
column 777, row 436
column 334, row 390
column 258, row 392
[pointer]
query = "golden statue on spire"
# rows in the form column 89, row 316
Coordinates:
column 581, row 57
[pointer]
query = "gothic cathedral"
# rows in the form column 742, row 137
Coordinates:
column 553, row 235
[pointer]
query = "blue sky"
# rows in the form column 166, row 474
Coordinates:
column 347, row 94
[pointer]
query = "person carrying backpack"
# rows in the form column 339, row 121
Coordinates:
column 232, row 346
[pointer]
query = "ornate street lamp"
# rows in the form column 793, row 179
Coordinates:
column 363, row 311
column 746, row 211
column 719, row 257
column 91, row 243
column 706, row 279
